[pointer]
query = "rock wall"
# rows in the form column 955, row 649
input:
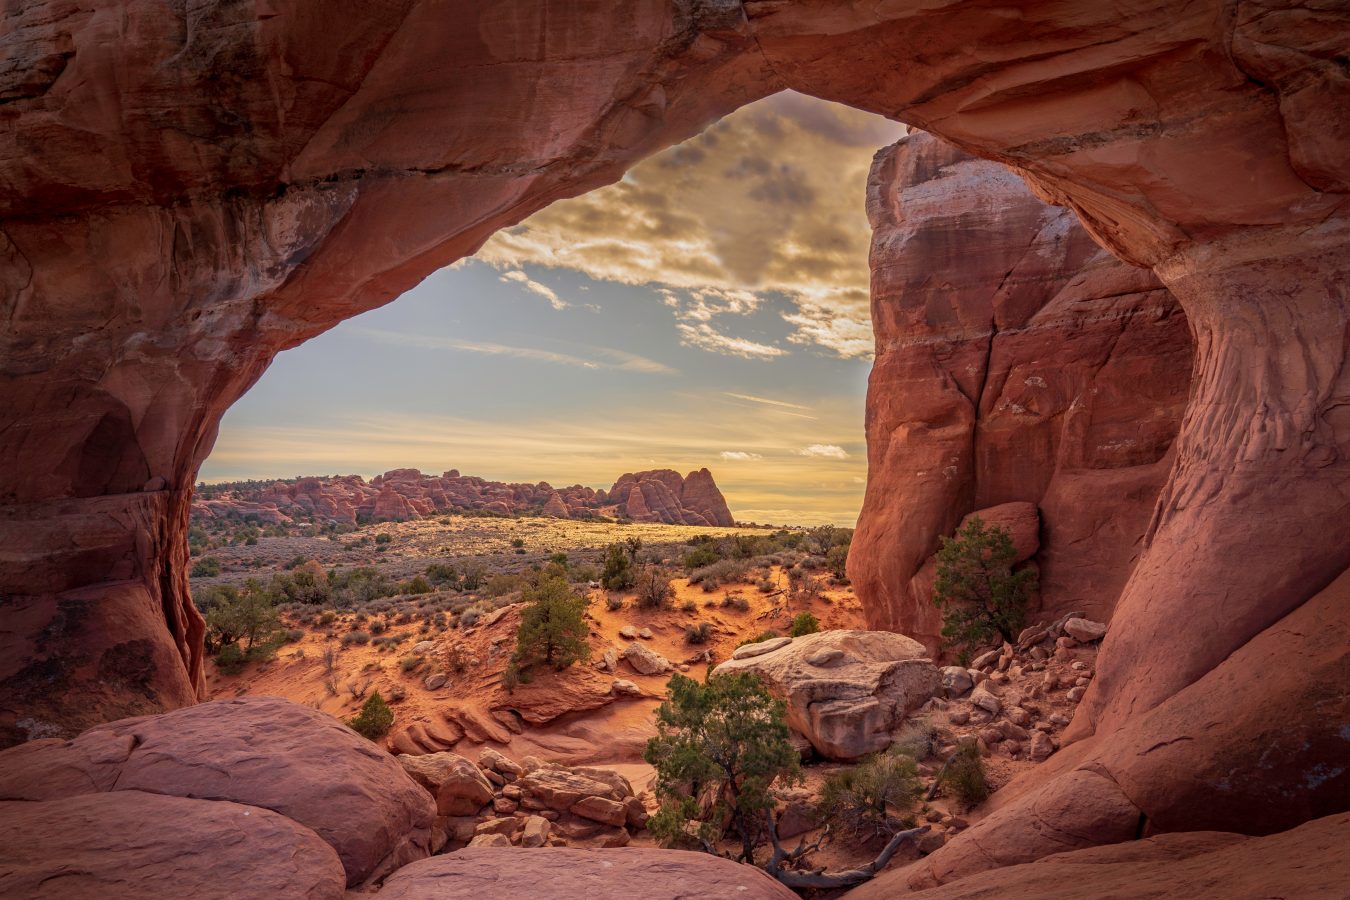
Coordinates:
column 1016, row 361
column 186, row 190
column 404, row 494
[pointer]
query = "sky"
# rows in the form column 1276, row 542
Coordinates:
column 710, row 309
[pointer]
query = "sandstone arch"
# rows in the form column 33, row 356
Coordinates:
column 189, row 189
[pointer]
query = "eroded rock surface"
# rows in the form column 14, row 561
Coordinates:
column 259, row 751
column 491, row 872
column 135, row 844
column 846, row 691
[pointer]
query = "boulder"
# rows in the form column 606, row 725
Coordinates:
column 535, row 833
column 489, row 873
column 629, row 632
column 259, row 751
column 956, row 681
column 850, row 709
column 646, row 661
column 1085, row 630
column 491, row 759
column 130, row 843
column 424, row 647
column 622, row 687
column 490, row 840
column 559, row 788
column 600, row 809
column 985, row 700
column 459, row 787
column 435, row 681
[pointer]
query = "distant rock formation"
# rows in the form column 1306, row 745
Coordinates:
column 660, row 495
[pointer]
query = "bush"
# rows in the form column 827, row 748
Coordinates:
column 859, row 800
column 294, row 634
column 419, row 585
column 234, row 615
column 618, row 574
column 689, row 606
column 766, row 586
column 356, row 637
column 653, row 588
column 729, row 739
column 470, row 616
column 724, row 571
column 410, row 662
column 736, row 602
column 517, row 543
column 207, row 567
column 231, row 659
column 375, row 718
column 980, row 596
column 384, row 537
column 803, row 623
column 965, row 777
column 442, row 573
column 553, row 627
column 377, row 627
column 501, row 585
column 837, row 561
column 327, row 617
column 698, row 634
column 613, row 603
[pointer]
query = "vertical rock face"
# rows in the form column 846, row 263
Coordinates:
column 662, row 495
column 1016, row 361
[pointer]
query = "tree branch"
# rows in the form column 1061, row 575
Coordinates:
column 829, row 880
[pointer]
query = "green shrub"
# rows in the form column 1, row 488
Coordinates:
column 653, row 588
column 698, row 634
column 419, row 585
column 294, row 634
column 327, row 617
column 965, row 777
column 618, row 573
column 356, row 637
column 552, row 628
column 384, row 537
column 736, row 602
column 375, row 718
column 980, row 596
column 517, row 542
column 613, row 603
column 689, row 606
column 410, row 662
column 207, row 567
column 231, row 659
column 803, row 623
column 859, row 800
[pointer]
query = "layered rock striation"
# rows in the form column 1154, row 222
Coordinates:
column 404, row 494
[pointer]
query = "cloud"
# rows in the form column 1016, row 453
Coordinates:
column 543, row 290
column 768, row 200
column 766, row 401
column 829, row 451
column 608, row 358
column 739, row 456
column 705, row 337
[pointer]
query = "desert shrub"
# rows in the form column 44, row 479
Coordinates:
column 231, row 659
column 501, row 585
column 295, row 561
column 552, row 628
column 473, row 577
column 410, row 662
column 327, row 617
column 724, row 571
column 442, row 574
column 736, row 602
column 698, row 634
column 356, row 637
column 618, row 573
column 653, row 588
column 455, row 659
column 916, row 738
column 860, row 800
column 377, row 627
column 294, row 634
column 760, row 638
column 375, row 718
column 357, row 586
column 207, row 567
column 965, row 777
column 700, row 557
column 766, row 586
column 836, row 560
column 803, row 623
column 980, row 596
column 720, row 748
column 470, row 617
column 689, row 606
column 419, row 585
column 238, row 614
column 801, row 583
column 384, row 537
column 517, row 543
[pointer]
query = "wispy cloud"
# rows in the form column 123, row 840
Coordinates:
column 766, row 401
column 739, row 456
column 517, row 276
column 705, row 337
column 767, row 200
column 828, row 451
column 608, row 358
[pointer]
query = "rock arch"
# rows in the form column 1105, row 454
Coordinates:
column 188, row 190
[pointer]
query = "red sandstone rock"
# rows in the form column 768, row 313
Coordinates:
column 261, row 751
column 1029, row 367
column 492, row 873
column 135, row 844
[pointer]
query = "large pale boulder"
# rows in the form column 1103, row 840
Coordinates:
column 646, row 661
column 846, row 691
column 259, row 751
column 136, row 844
column 491, row 873
column 560, row 788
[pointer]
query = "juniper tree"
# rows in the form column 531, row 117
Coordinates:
column 979, row 593
column 552, row 627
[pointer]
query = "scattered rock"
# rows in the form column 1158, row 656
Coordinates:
column 1085, row 630
column 958, row 717
column 436, row 681
column 645, row 634
column 424, row 647
column 628, row 633
column 956, row 681
column 986, row 701
column 599, row 809
column 504, row 825
column 491, row 759
column 985, row 659
column 624, row 688
column 1075, row 694
column 1041, row 747
column 646, row 661
column 459, row 787
column 490, row 840
column 536, row 832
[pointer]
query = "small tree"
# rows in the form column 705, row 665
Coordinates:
column 859, row 800
column 375, row 718
column 618, row 573
column 233, row 616
column 720, row 746
column 552, row 628
column 979, row 593
column 804, row 623
column 653, row 588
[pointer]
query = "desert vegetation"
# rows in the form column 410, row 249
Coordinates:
column 980, row 594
